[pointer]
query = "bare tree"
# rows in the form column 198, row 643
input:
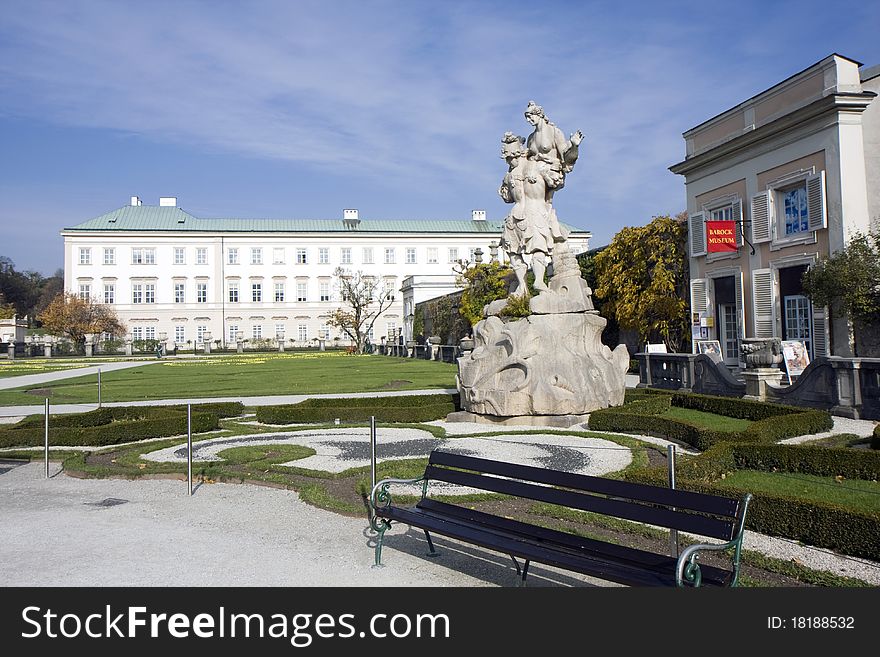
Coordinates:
column 363, row 299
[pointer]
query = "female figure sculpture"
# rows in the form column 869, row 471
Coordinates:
column 536, row 169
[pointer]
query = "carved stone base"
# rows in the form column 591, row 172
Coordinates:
column 757, row 379
column 558, row 421
column 541, row 365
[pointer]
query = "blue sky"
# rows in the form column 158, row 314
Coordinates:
column 299, row 109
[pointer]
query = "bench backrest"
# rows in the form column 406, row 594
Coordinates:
column 698, row 513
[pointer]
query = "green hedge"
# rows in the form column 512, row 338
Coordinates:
column 819, row 524
column 875, row 439
column 106, row 426
column 771, row 422
column 743, row 409
column 220, row 409
column 404, row 408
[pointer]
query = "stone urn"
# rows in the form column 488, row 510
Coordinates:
column 467, row 344
column 410, row 344
column 761, row 352
column 434, row 339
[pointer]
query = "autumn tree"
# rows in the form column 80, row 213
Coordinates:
column 364, row 298
column 642, row 279
column 73, row 317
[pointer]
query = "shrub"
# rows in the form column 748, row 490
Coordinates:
column 875, row 439
column 220, row 409
column 106, row 426
column 820, row 524
column 743, row 409
column 771, row 422
column 404, row 408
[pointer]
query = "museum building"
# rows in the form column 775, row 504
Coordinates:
column 180, row 278
column 796, row 168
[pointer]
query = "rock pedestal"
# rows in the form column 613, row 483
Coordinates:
column 544, row 370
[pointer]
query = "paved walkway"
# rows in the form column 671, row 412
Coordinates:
column 263, row 400
column 9, row 382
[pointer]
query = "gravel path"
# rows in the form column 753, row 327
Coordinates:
column 861, row 428
column 55, row 534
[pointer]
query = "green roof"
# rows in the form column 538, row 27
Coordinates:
column 162, row 218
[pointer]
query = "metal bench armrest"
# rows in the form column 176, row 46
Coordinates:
column 687, row 570
column 381, row 497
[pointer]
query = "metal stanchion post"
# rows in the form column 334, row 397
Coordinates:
column 46, row 436
column 189, row 448
column 670, row 464
column 372, row 451
column 99, row 387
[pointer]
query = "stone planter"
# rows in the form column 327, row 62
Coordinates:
column 761, row 352
column 467, row 344
column 434, row 339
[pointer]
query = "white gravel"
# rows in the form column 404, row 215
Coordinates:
column 338, row 450
column 861, row 428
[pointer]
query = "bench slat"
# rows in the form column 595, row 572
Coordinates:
column 537, row 534
column 596, row 565
column 696, row 524
column 720, row 506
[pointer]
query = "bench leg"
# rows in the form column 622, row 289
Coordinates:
column 525, row 572
column 433, row 552
column 380, row 534
column 522, row 572
column 516, row 565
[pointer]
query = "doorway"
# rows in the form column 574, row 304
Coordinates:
column 727, row 329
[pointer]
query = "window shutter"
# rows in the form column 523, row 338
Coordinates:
column 762, row 213
column 697, row 234
column 737, row 214
column 740, row 320
column 820, row 332
column 762, row 298
column 816, row 211
column 699, row 295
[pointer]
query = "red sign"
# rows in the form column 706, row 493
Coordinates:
column 721, row 237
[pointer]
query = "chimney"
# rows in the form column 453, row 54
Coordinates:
column 167, row 201
column 350, row 218
column 135, row 201
column 478, row 215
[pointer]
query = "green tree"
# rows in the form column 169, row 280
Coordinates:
column 849, row 282
column 642, row 279
column 483, row 283
column 21, row 289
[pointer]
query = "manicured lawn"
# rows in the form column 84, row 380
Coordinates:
column 855, row 494
column 245, row 375
column 707, row 420
column 22, row 366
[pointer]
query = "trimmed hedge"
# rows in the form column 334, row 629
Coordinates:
column 220, row 409
column 819, row 524
column 404, row 408
column 771, row 422
column 106, row 426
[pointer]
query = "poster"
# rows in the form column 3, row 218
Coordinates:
column 795, row 357
column 711, row 348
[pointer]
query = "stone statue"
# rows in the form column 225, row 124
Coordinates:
column 551, row 367
column 536, row 169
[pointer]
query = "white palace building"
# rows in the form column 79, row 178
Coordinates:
column 172, row 276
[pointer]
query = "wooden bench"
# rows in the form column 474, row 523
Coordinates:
column 716, row 517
